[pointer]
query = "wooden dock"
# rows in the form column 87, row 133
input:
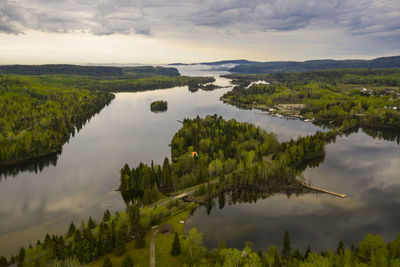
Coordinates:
column 181, row 196
column 323, row 190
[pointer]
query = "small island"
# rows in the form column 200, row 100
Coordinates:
column 159, row 106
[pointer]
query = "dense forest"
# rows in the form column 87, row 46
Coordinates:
column 159, row 105
column 95, row 71
column 85, row 242
column 39, row 113
column 215, row 156
column 36, row 120
column 227, row 154
column 351, row 98
column 295, row 66
column 123, row 84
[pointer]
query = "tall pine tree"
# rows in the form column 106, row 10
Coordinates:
column 176, row 246
column 286, row 249
column 127, row 262
column 107, row 262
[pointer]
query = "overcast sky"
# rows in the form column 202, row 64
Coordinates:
column 165, row 31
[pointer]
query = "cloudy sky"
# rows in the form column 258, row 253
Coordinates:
column 165, row 31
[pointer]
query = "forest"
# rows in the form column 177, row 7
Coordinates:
column 121, row 84
column 36, row 120
column 159, row 106
column 310, row 65
column 39, row 113
column 108, row 239
column 351, row 98
column 93, row 71
column 227, row 155
column 212, row 156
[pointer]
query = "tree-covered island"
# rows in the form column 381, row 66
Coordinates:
column 159, row 106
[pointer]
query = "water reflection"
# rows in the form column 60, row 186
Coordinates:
column 357, row 165
column 82, row 182
column 35, row 166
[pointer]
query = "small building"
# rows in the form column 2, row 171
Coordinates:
column 194, row 154
column 166, row 228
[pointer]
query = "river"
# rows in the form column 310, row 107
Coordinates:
column 82, row 181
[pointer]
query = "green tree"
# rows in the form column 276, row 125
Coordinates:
column 120, row 247
column 107, row 262
column 286, row 249
column 193, row 246
column 71, row 230
column 3, row 261
column 340, row 248
column 106, row 216
column 127, row 262
column 91, row 223
column 176, row 246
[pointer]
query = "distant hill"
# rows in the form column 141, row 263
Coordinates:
column 215, row 63
column 97, row 71
column 296, row 66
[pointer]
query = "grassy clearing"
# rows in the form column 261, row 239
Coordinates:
column 164, row 241
column 141, row 257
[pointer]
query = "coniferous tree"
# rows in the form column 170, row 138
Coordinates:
column 340, row 248
column 21, row 257
column 286, row 249
column 91, row 223
column 3, row 261
column 140, row 242
column 106, row 216
column 120, row 247
column 127, row 262
column 107, row 262
column 176, row 246
column 308, row 251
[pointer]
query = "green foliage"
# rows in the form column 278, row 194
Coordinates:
column 121, row 84
column 193, row 246
column 330, row 95
column 95, row 71
column 36, row 120
column 107, row 262
column 176, row 246
column 285, row 66
column 127, row 262
column 230, row 152
column 91, row 223
column 70, row 262
column 3, row 261
column 157, row 106
column 120, row 248
column 286, row 248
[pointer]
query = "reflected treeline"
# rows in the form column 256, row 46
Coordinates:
column 36, row 165
column 385, row 134
column 233, row 197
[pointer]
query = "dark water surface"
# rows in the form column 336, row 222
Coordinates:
column 81, row 182
column 366, row 169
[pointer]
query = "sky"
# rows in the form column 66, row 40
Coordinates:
column 167, row 31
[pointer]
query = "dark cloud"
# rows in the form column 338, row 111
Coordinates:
column 379, row 19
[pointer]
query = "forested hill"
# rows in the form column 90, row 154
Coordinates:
column 37, row 119
column 94, row 71
column 295, row 66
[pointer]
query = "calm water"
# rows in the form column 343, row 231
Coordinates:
column 365, row 169
column 83, row 180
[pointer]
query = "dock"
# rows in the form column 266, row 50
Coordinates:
column 323, row 190
column 181, row 196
